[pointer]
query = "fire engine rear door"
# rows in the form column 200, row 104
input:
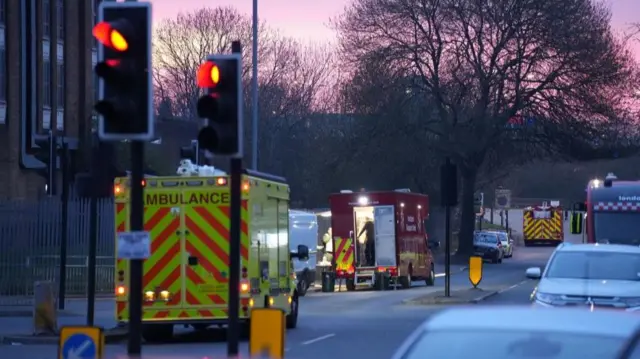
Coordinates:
column 385, row 235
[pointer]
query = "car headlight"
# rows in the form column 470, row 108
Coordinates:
column 631, row 301
column 548, row 298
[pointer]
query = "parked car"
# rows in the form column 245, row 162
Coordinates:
column 488, row 246
column 506, row 241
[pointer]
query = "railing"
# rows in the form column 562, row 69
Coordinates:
column 30, row 237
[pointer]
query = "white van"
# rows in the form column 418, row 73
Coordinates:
column 303, row 229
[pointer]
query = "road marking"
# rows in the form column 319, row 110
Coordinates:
column 315, row 340
column 513, row 286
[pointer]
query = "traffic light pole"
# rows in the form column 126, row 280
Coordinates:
column 234, row 246
column 136, row 221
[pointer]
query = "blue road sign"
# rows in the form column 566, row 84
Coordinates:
column 79, row 346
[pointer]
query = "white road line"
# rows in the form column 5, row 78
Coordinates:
column 513, row 286
column 315, row 340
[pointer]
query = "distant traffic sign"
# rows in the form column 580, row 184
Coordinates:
column 81, row 343
column 503, row 199
column 134, row 245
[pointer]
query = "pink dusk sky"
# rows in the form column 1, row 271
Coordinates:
column 307, row 19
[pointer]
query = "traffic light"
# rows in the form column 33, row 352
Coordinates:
column 125, row 104
column 221, row 106
column 48, row 155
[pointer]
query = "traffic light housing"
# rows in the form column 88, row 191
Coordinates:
column 221, row 105
column 125, row 102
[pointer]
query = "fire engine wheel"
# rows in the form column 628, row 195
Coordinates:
column 431, row 279
column 351, row 285
column 292, row 318
column 157, row 333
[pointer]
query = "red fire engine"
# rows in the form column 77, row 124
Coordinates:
column 380, row 232
column 611, row 213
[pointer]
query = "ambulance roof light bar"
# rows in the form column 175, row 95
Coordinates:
column 402, row 190
column 346, row 191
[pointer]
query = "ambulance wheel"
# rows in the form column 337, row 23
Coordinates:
column 351, row 285
column 431, row 279
column 292, row 318
column 157, row 333
column 303, row 285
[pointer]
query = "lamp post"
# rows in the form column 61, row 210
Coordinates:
column 254, row 89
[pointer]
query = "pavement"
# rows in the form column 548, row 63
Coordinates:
column 363, row 323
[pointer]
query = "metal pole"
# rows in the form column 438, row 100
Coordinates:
column 51, row 185
column 64, row 230
column 234, row 248
column 254, row 89
column 136, row 221
column 506, row 219
column 93, row 233
column 447, row 251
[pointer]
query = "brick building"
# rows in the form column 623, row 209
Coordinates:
column 43, row 87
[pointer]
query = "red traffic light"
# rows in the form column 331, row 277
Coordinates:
column 208, row 75
column 110, row 36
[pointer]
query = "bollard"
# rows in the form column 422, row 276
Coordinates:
column 44, row 309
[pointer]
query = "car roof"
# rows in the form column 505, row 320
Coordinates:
column 596, row 247
column 569, row 320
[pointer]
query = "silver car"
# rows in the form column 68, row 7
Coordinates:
column 521, row 332
column 589, row 276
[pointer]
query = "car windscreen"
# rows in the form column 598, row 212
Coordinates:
column 513, row 344
column 488, row 238
column 595, row 265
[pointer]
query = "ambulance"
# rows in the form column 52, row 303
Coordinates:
column 380, row 232
column 186, row 278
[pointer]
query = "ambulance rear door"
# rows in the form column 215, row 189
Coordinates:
column 205, row 208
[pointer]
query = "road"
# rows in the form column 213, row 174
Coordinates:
column 364, row 323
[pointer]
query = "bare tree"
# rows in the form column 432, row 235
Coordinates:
column 474, row 64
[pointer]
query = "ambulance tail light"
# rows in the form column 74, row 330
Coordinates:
column 120, row 276
column 244, row 287
column 221, row 181
column 246, row 186
column 244, row 272
column 117, row 189
column 144, row 183
column 157, row 296
column 121, row 290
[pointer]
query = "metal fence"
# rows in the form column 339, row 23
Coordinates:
column 30, row 237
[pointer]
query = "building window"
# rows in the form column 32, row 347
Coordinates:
column 3, row 11
column 61, row 86
column 46, row 19
column 46, row 83
column 3, row 74
column 60, row 19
